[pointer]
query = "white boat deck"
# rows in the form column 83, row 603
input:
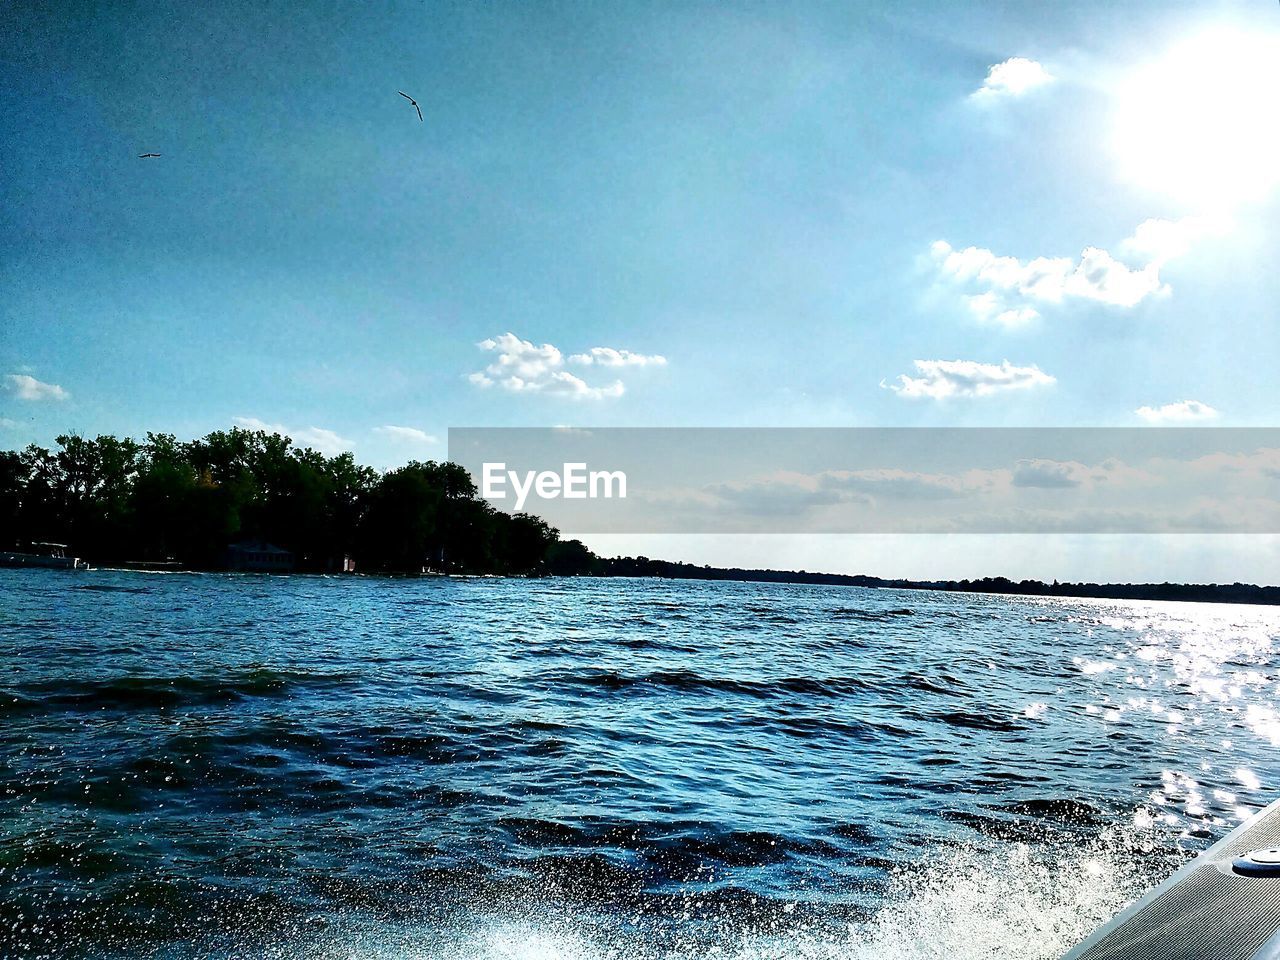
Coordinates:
column 1208, row 910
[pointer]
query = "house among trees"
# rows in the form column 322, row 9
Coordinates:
column 258, row 556
column 344, row 563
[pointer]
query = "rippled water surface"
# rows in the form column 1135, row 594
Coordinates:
column 236, row 766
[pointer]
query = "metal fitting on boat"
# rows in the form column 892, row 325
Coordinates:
column 1263, row 862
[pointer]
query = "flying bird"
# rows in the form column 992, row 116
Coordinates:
column 413, row 101
column 143, row 156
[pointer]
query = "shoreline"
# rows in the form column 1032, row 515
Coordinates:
column 1236, row 593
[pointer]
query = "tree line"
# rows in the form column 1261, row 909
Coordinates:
column 120, row 500
column 1199, row 592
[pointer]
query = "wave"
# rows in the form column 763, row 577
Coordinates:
column 862, row 613
column 977, row 721
column 163, row 692
column 687, row 681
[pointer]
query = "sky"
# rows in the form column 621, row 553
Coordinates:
column 679, row 214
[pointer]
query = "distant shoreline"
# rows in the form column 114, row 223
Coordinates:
column 250, row 501
column 1188, row 592
column 624, row 568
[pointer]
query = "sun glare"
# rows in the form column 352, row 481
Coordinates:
column 1199, row 123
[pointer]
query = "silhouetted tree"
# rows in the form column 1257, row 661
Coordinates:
column 116, row 499
column 572, row 558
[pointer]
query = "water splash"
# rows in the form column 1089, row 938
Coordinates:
column 1019, row 902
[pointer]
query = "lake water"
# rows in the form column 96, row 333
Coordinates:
column 241, row 766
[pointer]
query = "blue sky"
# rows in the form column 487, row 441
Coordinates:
column 762, row 214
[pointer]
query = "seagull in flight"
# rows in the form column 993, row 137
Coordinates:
column 413, row 101
column 143, row 156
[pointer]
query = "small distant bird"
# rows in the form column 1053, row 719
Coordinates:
column 413, row 101
column 143, row 156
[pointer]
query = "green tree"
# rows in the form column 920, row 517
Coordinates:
column 115, row 499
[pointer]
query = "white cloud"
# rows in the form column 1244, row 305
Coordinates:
column 1012, row 290
column 609, row 357
column 1011, row 282
column 1157, row 241
column 7, row 424
column 783, row 493
column 26, row 387
column 317, row 438
column 1183, row 411
column 1049, row 474
column 325, row 441
column 989, row 308
column 941, row 379
column 1100, row 276
column 1012, row 78
column 1063, row 474
column 253, row 423
column 997, row 498
column 910, row 484
column 522, row 367
column 405, row 434
column 1263, row 463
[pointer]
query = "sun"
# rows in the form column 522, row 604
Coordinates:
column 1199, row 124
